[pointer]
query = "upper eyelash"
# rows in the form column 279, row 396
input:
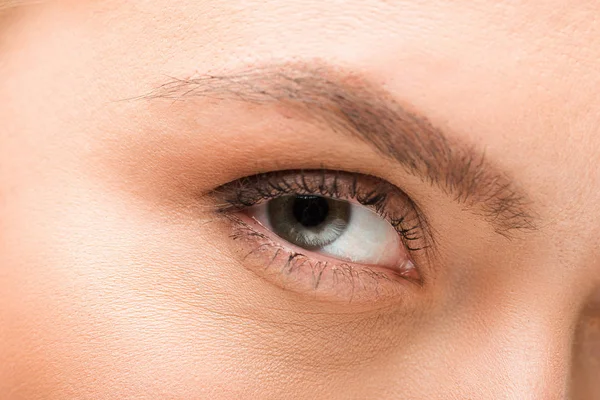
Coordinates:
column 249, row 191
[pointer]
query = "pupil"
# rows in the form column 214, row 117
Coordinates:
column 310, row 210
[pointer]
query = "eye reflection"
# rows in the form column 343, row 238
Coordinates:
column 345, row 230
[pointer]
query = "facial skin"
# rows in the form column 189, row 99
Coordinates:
column 120, row 280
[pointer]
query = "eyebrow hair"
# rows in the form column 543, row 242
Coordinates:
column 350, row 104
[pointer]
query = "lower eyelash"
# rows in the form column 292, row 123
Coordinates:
column 298, row 272
column 294, row 260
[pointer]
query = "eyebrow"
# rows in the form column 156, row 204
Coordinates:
column 350, row 104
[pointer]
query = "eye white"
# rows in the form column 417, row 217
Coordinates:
column 368, row 239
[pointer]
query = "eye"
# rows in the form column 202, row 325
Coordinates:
column 334, row 235
column 341, row 229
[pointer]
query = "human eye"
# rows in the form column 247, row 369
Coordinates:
column 335, row 235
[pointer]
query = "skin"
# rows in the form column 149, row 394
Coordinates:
column 118, row 281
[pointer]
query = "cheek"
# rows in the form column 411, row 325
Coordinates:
column 94, row 291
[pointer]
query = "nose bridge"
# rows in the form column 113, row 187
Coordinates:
column 572, row 222
column 536, row 367
column 527, row 356
column 529, row 344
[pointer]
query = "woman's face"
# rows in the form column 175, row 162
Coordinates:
column 300, row 199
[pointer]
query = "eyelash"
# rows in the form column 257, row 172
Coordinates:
column 304, row 271
column 250, row 191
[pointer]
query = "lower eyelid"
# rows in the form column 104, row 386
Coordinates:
column 320, row 278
